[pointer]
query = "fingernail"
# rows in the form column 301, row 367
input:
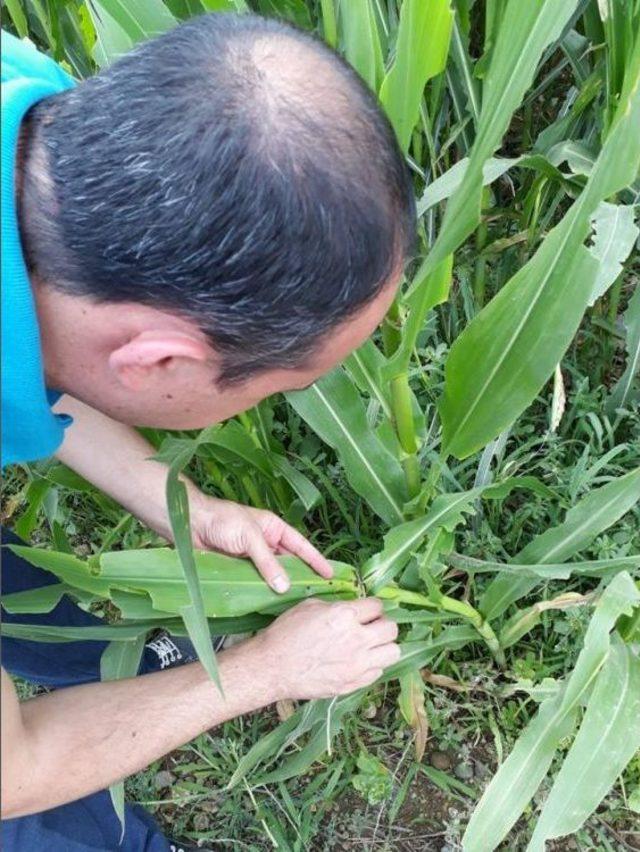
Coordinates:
column 280, row 583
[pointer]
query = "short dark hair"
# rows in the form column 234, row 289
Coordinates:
column 234, row 170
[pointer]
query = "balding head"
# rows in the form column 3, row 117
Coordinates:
column 235, row 171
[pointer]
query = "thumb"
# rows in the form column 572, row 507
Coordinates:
column 266, row 563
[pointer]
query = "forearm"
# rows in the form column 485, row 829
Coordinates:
column 82, row 739
column 117, row 459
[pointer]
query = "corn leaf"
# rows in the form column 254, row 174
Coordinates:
column 365, row 365
column 526, row 30
column 614, row 237
column 422, row 46
column 301, row 484
column 503, row 357
column 447, row 512
column 445, row 185
column 66, row 567
column 601, row 508
column 362, row 40
column 333, row 409
column 608, row 738
column 230, row 587
column 99, row 632
column 18, row 17
column 39, row 600
column 138, row 19
column 550, row 571
column 193, row 611
column 411, row 703
column 623, row 391
column 521, row 774
column 426, row 294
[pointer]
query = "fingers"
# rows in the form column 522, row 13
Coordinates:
column 384, row 655
column 367, row 609
column 381, row 632
column 294, row 542
column 266, row 563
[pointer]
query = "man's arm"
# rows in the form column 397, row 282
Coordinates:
column 117, row 459
column 67, row 744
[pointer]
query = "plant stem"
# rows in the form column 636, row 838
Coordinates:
column 219, row 481
column 480, row 275
column 252, row 491
column 391, row 329
column 449, row 605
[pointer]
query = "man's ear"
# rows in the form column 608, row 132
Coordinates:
column 138, row 359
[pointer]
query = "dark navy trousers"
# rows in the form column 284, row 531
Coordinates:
column 90, row 823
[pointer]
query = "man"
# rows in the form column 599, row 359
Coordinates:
column 221, row 215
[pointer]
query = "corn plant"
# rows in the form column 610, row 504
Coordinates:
column 452, row 77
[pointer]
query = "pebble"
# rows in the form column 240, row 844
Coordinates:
column 463, row 771
column 440, row 759
column 163, row 779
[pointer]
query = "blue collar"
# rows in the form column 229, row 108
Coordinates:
column 30, row 430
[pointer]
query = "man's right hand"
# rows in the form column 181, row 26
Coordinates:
column 318, row 649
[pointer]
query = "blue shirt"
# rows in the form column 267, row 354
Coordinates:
column 30, row 430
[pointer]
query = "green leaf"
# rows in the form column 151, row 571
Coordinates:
column 525, row 31
column 422, row 46
column 34, row 497
column 526, row 328
column 234, row 439
column 447, row 511
column 365, row 365
column 39, row 600
column 229, row 587
column 426, row 294
column 551, row 571
column 301, row 484
column 193, row 613
column 601, row 508
column 614, row 237
column 623, row 391
column 138, row 19
column 99, row 632
column 361, row 40
column 515, row 783
column 503, row 357
column 372, row 780
column 608, row 738
column 444, row 186
column 18, row 18
column 66, row 567
column 333, row 409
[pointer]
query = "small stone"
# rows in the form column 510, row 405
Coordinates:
column 440, row 760
column 163, row 779
column 463, row 771
column 481, row 769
